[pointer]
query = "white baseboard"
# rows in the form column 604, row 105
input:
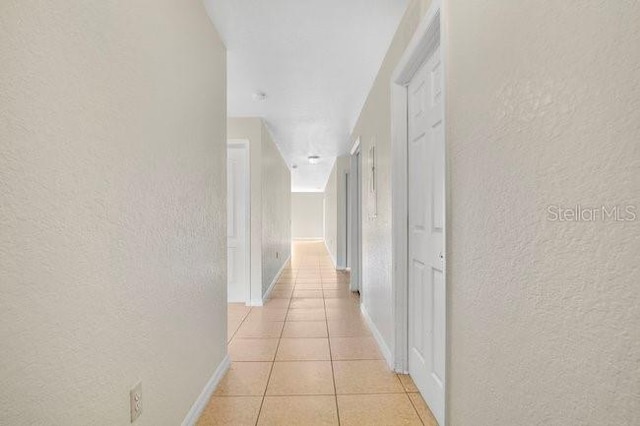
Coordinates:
column 274, row 281
column 198, row 407
column 333, row 261
column 308, row 239
column 386, row 352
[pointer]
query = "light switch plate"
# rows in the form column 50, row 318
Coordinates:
column 135, row 401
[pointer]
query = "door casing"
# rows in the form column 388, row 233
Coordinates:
column 243, row 144
column 355, row 225
column 347, row 229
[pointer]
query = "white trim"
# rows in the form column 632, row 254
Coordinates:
column 424, row 41
column 203, row 399
column 355, row 249
column 273, row 284
column 246, row 144
column 343, row 219
column 256, row 302
column 427, row 38
column 355, row 146
column 324, row 218
column 399, row 226
column 384, row 348
column 333, row 261
column 308, row 239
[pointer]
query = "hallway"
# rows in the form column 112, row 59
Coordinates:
column 308, row 358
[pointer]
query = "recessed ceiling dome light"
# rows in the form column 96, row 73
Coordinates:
column 313, row 159
column 259, row 96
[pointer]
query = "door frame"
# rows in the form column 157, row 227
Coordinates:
column 347, row 205
column 427, row 38
column 355, row 217
column 246, row 147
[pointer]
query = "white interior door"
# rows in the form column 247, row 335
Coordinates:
column 426, row 234
column 238, row 262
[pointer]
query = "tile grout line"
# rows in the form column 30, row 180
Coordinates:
column 238, row 327
column 406, row 393
column 333, row 374
column 414, row 407
column 317, row 394
column 273, row 363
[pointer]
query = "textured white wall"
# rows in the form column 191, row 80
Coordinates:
column 307, row 215
column 112, row 195
column 276, row 210
column 543, row 108
column 374, row 123
column 331, row 213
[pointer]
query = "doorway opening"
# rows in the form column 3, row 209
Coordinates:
column 238, row 222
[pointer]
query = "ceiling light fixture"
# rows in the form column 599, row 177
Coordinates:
column 313, row 159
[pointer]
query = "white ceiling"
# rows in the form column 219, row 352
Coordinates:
column 315, row 60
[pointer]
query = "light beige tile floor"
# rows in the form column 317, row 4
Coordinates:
column 231, row 410
column 305, row 329
column 303, row 349
column 308, row 358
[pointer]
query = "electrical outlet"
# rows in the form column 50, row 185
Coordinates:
column 135, row 401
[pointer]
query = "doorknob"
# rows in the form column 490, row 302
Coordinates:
column 441, row 256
